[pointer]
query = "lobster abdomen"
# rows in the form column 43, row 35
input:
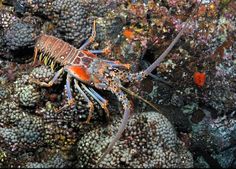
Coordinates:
column 56, row 49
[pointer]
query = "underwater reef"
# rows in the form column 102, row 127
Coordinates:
column 193, row 88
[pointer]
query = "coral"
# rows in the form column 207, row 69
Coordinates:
column 43, row 74
column 7, row 18
column 57, row 161
column 226, row 158
column 3, row 93
column 29, row 96
column 20, row 130
column 1, row 43
column 21, row 82
column 2, row 157
column 8, row 110
column 61, row 127
column 201, row 163
column 148, row 141
column 137, row 32
column 43, row 7
column 59, row 130
column 26, row 129
column 72, row 20
column 220, row 95
column 20, row 35
column 215, row 136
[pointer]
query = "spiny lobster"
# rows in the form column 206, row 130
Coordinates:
column 84, row 66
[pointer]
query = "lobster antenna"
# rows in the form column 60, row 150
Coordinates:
column 141, row 98
column 167, row 51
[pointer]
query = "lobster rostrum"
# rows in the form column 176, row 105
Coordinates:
column 90, row 71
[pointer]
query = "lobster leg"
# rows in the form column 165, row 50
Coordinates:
column 90, row 103
column 35, row 55
column 126, row 106
column 51, row 82
column 69, row 94
column 68, row 90
column 116, row 64
column 105, row 51
column 91, row 38
column 103, row 102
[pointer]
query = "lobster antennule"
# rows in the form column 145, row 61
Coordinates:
column 35, row 55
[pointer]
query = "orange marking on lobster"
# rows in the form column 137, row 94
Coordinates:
column 86, row 52
column 80, row 72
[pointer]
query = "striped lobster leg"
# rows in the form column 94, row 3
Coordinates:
column 51, row 82
column 103, row 102
column 91, row 38
column 90, row 103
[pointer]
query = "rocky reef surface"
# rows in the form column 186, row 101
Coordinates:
column 194, row 87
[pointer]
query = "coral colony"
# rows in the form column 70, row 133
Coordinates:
column 111, row 101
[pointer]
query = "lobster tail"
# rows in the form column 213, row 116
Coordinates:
column 55, row 49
